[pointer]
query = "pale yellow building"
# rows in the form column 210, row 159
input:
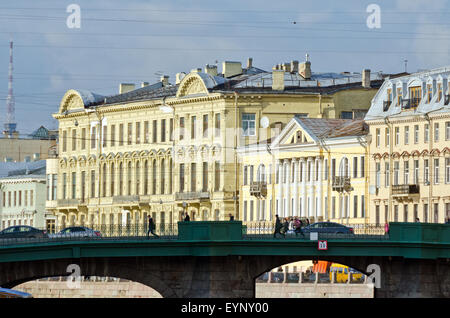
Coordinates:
column 316, row 169
column 409, row 123
column 165, row 149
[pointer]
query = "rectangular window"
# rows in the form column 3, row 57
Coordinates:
column 181, row 177
column 83, row 185
column 163, row 130
column 333, row 168
column 447, row 130
column 249, row 124
column 405, row 213
column 130, row 134
column 333, row 207
column 205, row 177
column 74, row 185
column 193, row 176
column 146, row 132
column 416, row 171
column 92, row 183
column 363, row 207
column 378, row 174
column 426, row 133
column 406, row 172
column 355, row 167
column 155, row 131
column 436, row 171
column 93, row 136
column 406, row 135
column 20, row 198
column 138, row 133
column 205, row 126
column 399, row 95
column 245, row 175
column 426, row 173
column 396, row 171
column 355, row 206
column 121, row 135
column 436, row 132
column 439, row 91
column 415, row 95
column 386, row 174
column 447, row 170
column 397, row 135
column 425, row 213
column 193, row 127
column 181, row 137
column 429, row 93
column 112, row 140
column 104, row 135
column 48, row 187
column 54, row 187
column 74, row 140
column 64, row 141
column 171, row 129
column 217, row 176
column 64, row 182
column 251, row 174
column 83, row 138
column 245, row 211
column 31, row 197
column 416, row 134
column 217, row 125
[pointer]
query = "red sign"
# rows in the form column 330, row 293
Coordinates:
column 322, row 245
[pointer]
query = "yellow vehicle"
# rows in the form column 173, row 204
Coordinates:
column 341, row 273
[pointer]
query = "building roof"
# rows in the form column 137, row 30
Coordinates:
column 22, row 168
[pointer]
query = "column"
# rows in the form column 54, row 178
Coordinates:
column 295, row 184
column 279, row 188
column 303, row 163
column 287, row 186
column 319, row 186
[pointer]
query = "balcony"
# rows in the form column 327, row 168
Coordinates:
column 341, row 184
column 258, row 189
column 126, row 199
column 182, row 196
column 71, row 204
column 386, row 105
column 405, row 190
column 410, row 103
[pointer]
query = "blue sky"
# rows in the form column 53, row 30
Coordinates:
column 135, row 40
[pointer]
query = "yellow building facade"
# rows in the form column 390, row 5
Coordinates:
column 315, row 169
column 169, row 149
column 410, row 151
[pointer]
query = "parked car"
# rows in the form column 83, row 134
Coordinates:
column 76, row 231
column 328, row 227
column 22, row 231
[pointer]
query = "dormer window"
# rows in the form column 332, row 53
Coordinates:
column 439, row 92
column 415, row 95
column 387, row 102
column 429, row 93
column 399, row 95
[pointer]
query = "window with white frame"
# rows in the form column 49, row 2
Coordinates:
column 249, row 124
column 416, row 134
column 426, row 172
column 386, row 174
column 447, row 170
column 406, row 172
column 436, row 171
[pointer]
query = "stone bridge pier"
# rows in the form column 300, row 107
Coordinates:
column 232, row 276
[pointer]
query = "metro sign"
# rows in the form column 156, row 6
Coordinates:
column 322, row 245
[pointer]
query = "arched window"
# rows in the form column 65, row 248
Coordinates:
column 138, row 178
column 112, row 179
column 146, row 177
column 121, row 178
column 163, row 171
column 344, row 168
column 129, row 178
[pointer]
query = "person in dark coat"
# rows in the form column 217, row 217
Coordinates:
column 285, row 228
column 151, row 227
column 231, row 217
column 278, row 226
column 187, row 218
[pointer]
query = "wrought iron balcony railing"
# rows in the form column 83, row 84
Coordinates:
column 405, row 189
column 258, row 188
column 410, row 103
column 341, row 184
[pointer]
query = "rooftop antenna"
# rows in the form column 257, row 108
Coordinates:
column 10, row 125
column 406, row 64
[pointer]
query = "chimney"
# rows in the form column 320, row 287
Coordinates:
column 305, row 70
column 196, row 70
column 365, row 78
column 278, row 80
column 287, row 67
column 125, row 88
column 165, row 80
column 143, row 84
column 179, row 77
column 294, row 66
column 230, row 69
column 249, row 62
column 211, row 70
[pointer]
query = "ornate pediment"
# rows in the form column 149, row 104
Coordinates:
column 192, row 84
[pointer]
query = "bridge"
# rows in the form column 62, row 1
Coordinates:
column 215, row 259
